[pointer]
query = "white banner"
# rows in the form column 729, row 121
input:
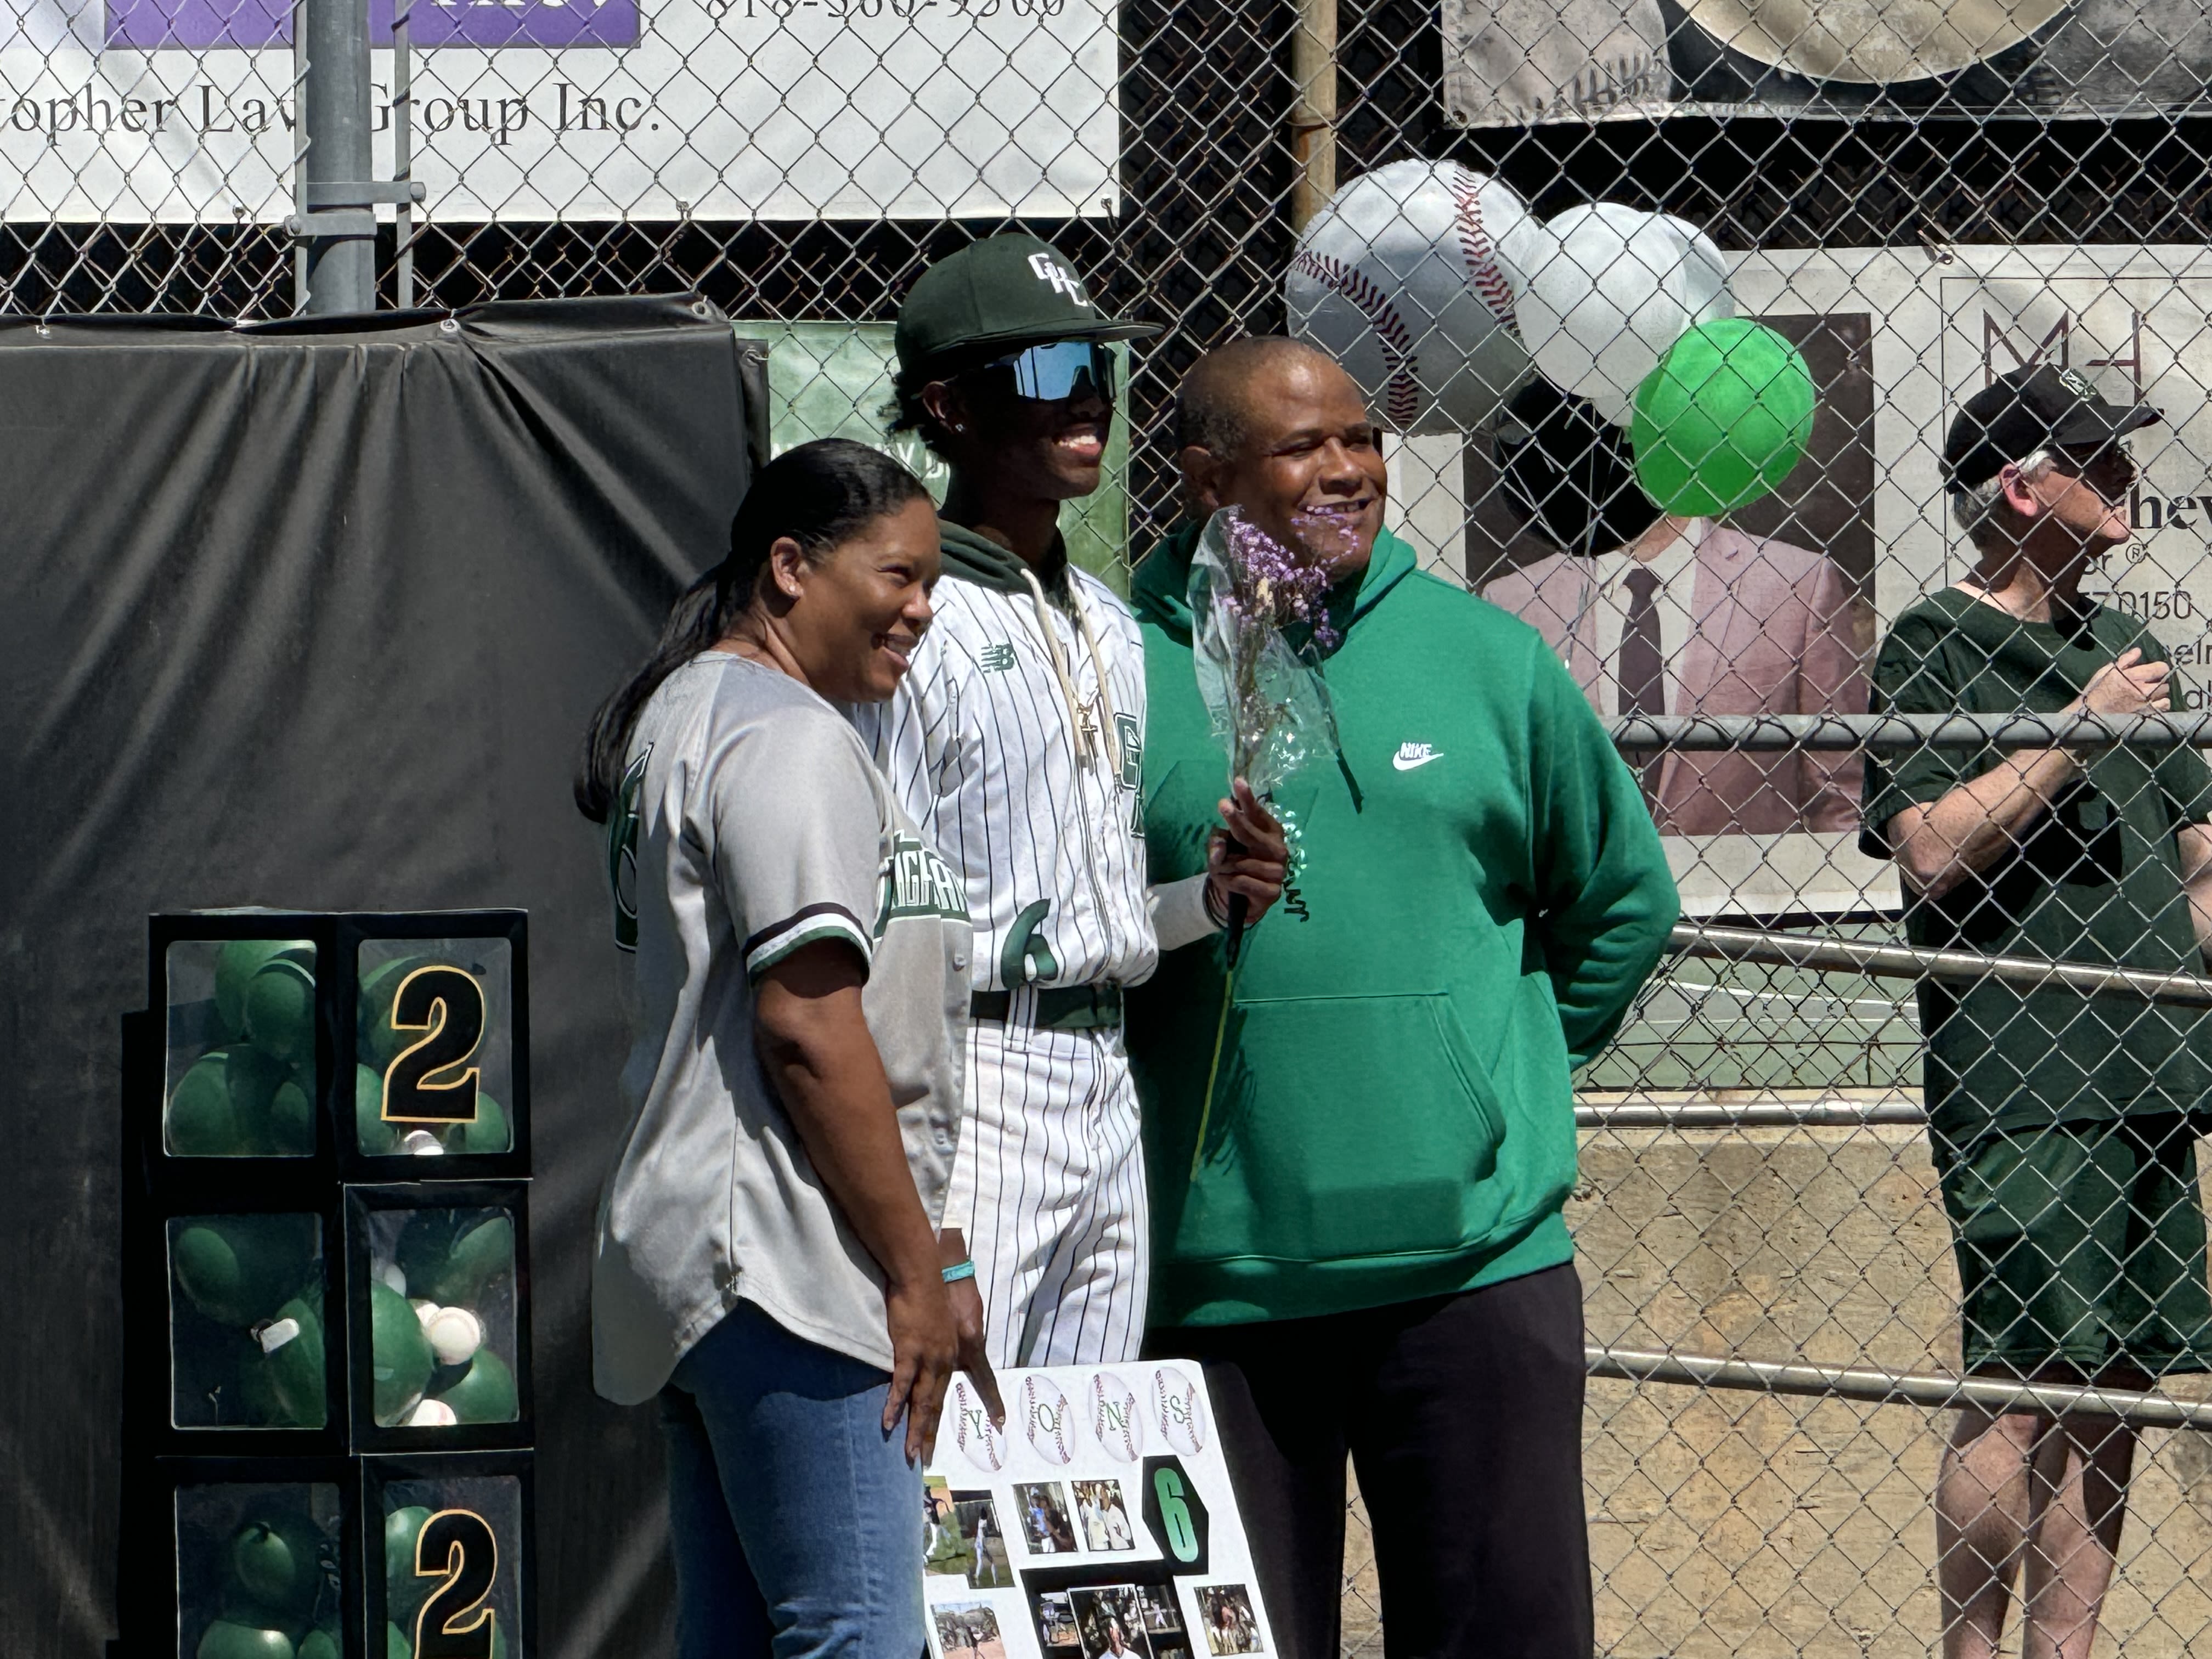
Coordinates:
column 186, row 110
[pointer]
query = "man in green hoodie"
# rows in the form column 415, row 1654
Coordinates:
column 1365, row 1247
column 1016, row 742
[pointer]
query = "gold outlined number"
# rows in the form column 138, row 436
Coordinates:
column 457, row 1546
column 424, row 1083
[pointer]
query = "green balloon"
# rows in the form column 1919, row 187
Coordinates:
column 486, row 1392
column 404, row 1593
column 201, row 1121
column 396, row 1644
column 278, row 1561
column 255, row 1078
column 452, row 1255
column 1722, row 419
column 226, row 1640
column 280, row 1010
column 285, row 1386
column 238, row 961
column 323, row 1643
column 374, row 1136
column 291, row 1121
column 490, row 1132
column 238, row 1269
column 379, row 1044
column 400, row 1359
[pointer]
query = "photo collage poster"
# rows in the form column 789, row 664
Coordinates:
column 1099, row 1523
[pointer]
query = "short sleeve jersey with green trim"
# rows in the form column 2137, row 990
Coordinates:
column 752, row 822
column 2097, row 878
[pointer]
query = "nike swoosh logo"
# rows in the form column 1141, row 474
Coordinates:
column 1405, row 762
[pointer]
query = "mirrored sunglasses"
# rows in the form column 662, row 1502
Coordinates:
column 1064, row 368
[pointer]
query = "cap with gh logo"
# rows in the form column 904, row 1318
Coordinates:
column 2032, row 408
column 995, row 296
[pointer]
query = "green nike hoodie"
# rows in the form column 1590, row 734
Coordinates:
column 1478, row 893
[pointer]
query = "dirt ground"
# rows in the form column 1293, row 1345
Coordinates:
column 1726, row 1523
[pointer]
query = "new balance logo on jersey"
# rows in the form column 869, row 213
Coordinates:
column 996, row 659
column 918, row 882
column 1411, row 755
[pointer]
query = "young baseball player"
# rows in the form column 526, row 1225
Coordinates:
column 1017, row 742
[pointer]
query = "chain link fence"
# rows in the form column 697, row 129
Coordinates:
column 1913, row 198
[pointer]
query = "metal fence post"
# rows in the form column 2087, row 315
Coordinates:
column 336, row 219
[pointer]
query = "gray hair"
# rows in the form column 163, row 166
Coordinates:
column 1976, row 508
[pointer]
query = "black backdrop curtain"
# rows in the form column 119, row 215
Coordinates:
column 311, row 615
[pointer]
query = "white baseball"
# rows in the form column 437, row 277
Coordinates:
column 979, row 1438
column 1177, row 1410
column 389, row 1273
column 1408, row 277
column 455, row 1334
column 420, row 1143
column 1116, row 1417
column 432, row 1414
column 1050, row 1419
column 425, row 1312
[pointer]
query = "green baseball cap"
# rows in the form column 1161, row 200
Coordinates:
column 1004, row 292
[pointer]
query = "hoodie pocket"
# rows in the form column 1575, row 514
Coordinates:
column 1349, row 1127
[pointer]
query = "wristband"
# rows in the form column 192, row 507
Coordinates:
column 959, row 1270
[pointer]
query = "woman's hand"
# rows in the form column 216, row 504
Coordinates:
column 1249, row 859
column 968, row 1320
column 925, row 1352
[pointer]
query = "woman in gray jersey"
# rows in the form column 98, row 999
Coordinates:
column 767, row 1261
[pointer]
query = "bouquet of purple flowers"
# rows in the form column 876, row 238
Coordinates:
column 1268, row 701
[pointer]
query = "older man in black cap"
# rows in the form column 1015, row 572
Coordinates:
column 1016, row 742
column 2063, row 1124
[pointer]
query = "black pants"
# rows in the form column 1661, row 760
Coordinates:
column 1463, row 1415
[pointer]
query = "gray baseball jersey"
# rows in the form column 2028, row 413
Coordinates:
column 752, row 823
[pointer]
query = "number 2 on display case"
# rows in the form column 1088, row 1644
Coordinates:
column 459, row 1544
column 425, row 1083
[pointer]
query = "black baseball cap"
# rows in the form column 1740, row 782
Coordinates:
column 998, row 295
column 2031, row 408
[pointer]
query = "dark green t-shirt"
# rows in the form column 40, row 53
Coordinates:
column 2097, row 878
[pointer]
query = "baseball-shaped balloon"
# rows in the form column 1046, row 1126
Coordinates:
column 1048, row 1419
column 1409, row 277
column 1611, row 291
column 979, row 1439
column 1178, row 1411
column 1116, row 1420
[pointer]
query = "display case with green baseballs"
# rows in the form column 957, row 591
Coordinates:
column 246, row 1049
column 433, row 1045
column 439, row 1282
column 266, row 1554
column 451, row 1565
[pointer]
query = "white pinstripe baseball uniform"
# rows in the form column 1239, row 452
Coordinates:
column 1004, row 753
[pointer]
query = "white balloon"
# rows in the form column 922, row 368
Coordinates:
column 1409, row 276
column 1612, row 293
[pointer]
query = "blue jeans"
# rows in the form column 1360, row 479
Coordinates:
column 797, row 1520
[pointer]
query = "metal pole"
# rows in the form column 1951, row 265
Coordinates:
column 341, row 245
column 1895, row 1388
column 403, row 152
column 1909, row 962
column 1313, row 117
column 1749, row 1114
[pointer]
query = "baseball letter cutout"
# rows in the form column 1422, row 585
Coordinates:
column 1049, row 1419
column 1117, row 1418
column 1177, row 1410
column 981, row 1442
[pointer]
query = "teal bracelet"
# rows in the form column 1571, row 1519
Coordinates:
column 960, row 1270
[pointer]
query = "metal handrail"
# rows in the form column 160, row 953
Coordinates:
column 1703, row 940
column 1888, row 733
column 1749, row 1114
column 1895, row 1388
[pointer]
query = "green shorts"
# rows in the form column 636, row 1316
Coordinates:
column 2081, row 1247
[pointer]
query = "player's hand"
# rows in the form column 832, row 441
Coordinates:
column 1249, row 859
column 2127, row 686
column 925, row 1352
